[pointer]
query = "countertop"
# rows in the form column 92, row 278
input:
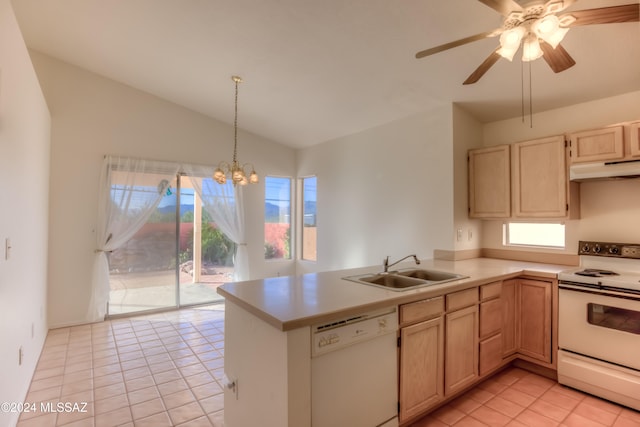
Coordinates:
column 292, row 302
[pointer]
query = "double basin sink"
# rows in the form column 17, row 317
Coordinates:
column 404, row 280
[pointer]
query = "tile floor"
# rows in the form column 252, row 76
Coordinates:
column 517, row 398
column 152, row 370
column 166, row 369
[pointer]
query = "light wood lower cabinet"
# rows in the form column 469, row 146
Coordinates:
column 527, row 319
column 490, row 335
column 461, row 349
column 509, row 326
column 534, row 319
column 450, row 342
column 421, row 367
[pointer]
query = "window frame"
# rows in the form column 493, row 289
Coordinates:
column 292, row 234
column 301, row 222
column 506, row 235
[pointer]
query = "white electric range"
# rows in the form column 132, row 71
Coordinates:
column 599, row 322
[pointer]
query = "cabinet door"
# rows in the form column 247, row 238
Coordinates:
column 534, row 319
column 421, row 367
column 461, row 349
column 635, row 139
column 490, row 354
column 509, row 326
column 540, row 182
column 597, row 145
column 490, row 182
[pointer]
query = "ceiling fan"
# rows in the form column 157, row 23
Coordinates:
column 539, row 29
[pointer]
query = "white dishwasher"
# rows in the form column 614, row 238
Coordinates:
column 354, row 371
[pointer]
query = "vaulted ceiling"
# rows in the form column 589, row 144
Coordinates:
column 319, row 70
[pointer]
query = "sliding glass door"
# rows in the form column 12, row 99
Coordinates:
column 205, row 253
column 178, row 257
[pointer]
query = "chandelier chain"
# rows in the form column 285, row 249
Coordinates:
column 235, row 123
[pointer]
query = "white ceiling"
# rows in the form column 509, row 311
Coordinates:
column 318, row 70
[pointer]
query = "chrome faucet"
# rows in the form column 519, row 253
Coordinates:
column 386, row 264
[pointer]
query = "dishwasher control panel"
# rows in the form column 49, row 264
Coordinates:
column 335, row 335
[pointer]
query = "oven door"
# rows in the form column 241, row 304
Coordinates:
column 600, row 324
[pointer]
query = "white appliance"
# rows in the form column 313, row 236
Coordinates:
column 599, row 323
column 354, row 371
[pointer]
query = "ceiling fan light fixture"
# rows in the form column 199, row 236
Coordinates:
column 548, row 29
column 510, row 42
column 531, row 48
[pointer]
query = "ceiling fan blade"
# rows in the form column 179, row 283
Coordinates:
column 504, row 7
column 606, row 15
column 457, row 43
column 558, row 58
column 483, row 68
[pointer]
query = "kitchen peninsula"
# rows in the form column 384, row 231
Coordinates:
column 269, row 322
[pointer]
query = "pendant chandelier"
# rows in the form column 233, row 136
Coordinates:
column 235, row 171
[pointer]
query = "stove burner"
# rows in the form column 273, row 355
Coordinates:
column 596, row 272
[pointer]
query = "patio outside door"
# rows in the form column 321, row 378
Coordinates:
column 177, row 258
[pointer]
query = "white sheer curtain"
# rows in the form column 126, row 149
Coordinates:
column 129, row 192
column 224, row 204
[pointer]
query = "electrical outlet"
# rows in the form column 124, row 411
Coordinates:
column 469, row 235
column 20, row 356
column 459, row 234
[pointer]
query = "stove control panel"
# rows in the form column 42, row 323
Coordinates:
column 617, row 250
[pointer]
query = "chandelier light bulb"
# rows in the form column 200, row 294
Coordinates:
column 531, row 49
column 548, row 29
column 510, row 42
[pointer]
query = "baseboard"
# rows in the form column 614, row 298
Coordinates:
column 536, row 369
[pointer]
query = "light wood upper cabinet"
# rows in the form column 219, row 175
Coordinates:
column 540, row 186
column 597, row 145
column 635, row 139
column 490, row 182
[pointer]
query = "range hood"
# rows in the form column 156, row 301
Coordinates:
column 605, row 170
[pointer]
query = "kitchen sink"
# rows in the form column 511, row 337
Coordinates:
column 430, row 275
column 404, row 280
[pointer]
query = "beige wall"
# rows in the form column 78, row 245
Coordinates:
column 385, row 191
column 467, row 134
column 24, row 172
column 93, row 116
column 610, row 209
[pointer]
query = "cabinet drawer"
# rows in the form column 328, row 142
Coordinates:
column 491, row 290
column 421, row 310
column 462, row 299
column 490, row 317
